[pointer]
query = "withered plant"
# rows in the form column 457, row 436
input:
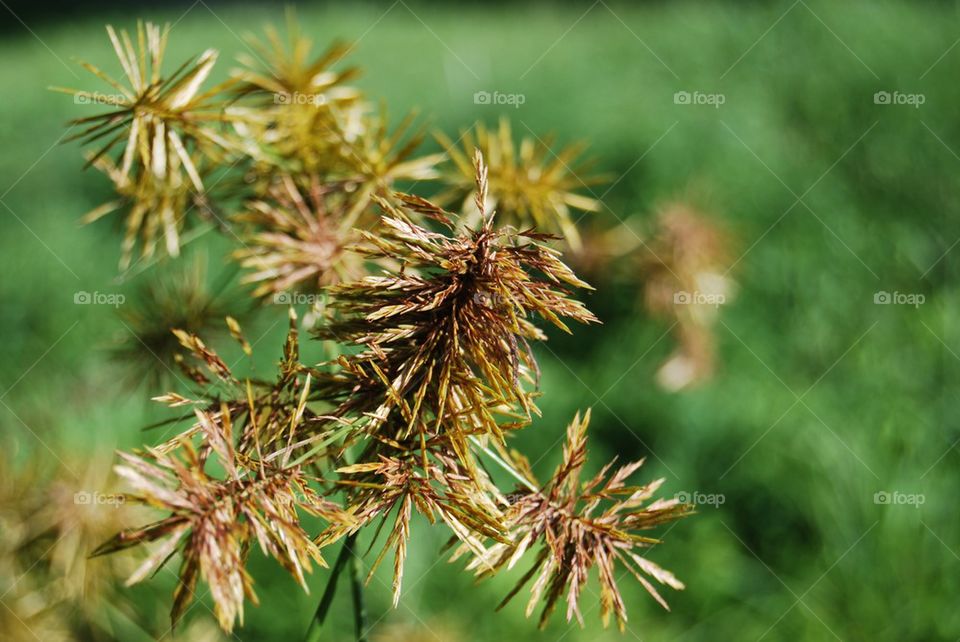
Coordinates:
column 298, row 236
column 682, row 267
column 530, row 184
column 178, row 296
column 434, row 315
column 686, row 273
column 51, row 516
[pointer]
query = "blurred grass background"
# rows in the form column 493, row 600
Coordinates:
column 822, row 399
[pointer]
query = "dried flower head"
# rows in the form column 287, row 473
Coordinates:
column 530, row 185
column 282, row 69
column 435, row 367
column 306, row 119
column 162, row 125
column 377, row 159
column 443, row 350
column 300, row 107
column 180, row 297
column 686, row 278
column 52, row 515
column 579, row 526
column 298, row 237
column 156, row 209
column 213, row 521
column 272, row 420
column 397, row 485
column 444, row 338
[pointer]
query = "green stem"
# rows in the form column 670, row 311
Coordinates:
column 507, row 467
column 356, row 589
column 313, row 633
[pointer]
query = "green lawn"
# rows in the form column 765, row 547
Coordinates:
column 822, row 398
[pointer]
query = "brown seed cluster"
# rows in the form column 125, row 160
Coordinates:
column 578, row 526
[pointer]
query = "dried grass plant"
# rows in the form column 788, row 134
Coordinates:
column 435, row 315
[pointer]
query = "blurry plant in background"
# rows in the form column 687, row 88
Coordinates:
column 300, row 236
column 530, row 184
column 47, row 527
column 178, row 296
column 683, row 264
column 686, row 270
column 430, row 314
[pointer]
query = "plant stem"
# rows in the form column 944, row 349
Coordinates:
column 507, row 467
column 356, row 589
column 313, row 633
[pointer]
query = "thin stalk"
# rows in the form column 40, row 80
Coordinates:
column 313, row 633
column 507, row 467
column 356, row 589
column 329, row 439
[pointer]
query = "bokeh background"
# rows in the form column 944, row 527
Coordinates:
column 826, row 436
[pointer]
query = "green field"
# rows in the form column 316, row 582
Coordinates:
column 822, row 398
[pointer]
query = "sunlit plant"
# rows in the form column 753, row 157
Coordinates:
column 434, row 315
